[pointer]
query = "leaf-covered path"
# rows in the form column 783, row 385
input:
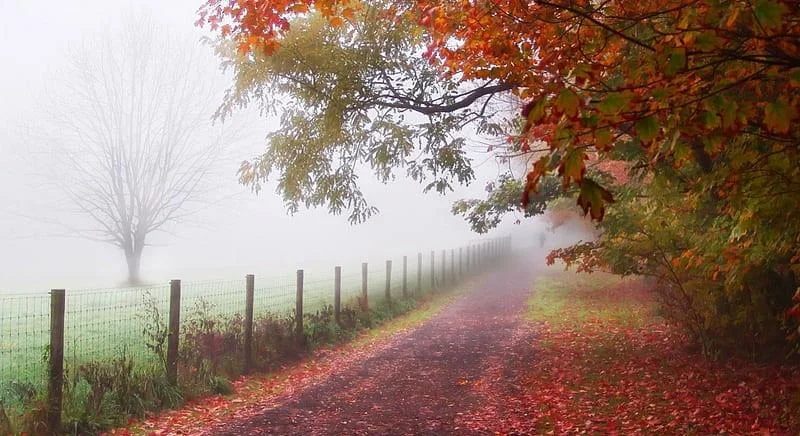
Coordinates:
column 426, row 381
column 585, row 354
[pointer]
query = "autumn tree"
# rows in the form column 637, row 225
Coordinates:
column 698, row 97
column 351, row 97
column 130, row 138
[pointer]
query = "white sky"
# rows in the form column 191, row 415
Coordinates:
column 251, row 234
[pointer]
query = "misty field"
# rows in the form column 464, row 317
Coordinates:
column 101, row 324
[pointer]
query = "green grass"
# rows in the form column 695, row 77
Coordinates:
column 570, row 299
column 104, row 324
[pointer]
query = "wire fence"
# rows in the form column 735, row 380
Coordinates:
column 103, row 324
column 106, row 324
column 24, row 336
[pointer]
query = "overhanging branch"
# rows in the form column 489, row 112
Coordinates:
column 428, row 109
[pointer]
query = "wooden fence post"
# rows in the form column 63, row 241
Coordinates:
column 55, row 383
column 364, row 300
column 388, row 281
column 298, row 310
column 337, row 293
column 405, row 276
column 433, row 270
column 419, row 274
column 250, row 286
column 174, row 331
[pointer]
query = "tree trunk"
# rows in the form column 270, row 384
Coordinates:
column 134, row 259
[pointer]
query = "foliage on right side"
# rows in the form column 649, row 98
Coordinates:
column 669, row 121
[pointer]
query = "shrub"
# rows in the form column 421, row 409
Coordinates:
column 27, row 411
column 273, row 340
column 321, row 327
column 348, row 319
column 100, row 395
column 211, row 349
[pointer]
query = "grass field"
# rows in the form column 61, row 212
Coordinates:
column 105, row 323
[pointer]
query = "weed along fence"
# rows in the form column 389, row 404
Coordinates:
column 70, row 349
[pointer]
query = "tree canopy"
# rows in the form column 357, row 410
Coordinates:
column 696, row 97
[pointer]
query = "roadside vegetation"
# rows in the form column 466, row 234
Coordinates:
column 608, row 361
column 109, row 393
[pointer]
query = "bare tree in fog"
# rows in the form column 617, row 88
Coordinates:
column 132, row 138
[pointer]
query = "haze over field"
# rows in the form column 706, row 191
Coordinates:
column 234, row 234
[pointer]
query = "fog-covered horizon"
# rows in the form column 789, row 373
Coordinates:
column 239, row 233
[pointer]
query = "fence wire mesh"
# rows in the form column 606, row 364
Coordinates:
column 351, row 286
column 397, row 278
column 104, row 324
column 317, row 291
column 274, row 295
column 24, row 338
column 376, row 283
column 213, row 299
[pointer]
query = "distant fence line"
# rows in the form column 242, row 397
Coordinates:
column 39, row 333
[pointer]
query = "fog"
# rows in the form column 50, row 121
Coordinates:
column 237, row 233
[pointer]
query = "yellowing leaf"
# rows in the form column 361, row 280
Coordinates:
column 672, row 60
column 769, row 13
column 794, row 77
column 592, row 199
column 537, row 111
column 710, row 120
column 778, row 116
column 707, row 41
column 568, row 102
column 602, row 139
column 647, row 129
column 614, row 103
column 572, row 166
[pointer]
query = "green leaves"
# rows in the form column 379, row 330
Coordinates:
column 603, row 139
column 647, row 129
column 672, row 60
column 614, row 103
column 778, row 116
column 572, row 166
column 533, row 112
column 592, row 199
column 794, row 77
column 707, row 41
column 769, row 13
column 567, row 102
column 504, row 196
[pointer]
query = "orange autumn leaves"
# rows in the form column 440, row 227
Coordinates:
column 258, row 26
column 660, row 72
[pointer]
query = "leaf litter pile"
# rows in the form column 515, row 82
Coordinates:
column 585, row 355
column 606, row 364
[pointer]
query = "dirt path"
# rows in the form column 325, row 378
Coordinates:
column 440, row 378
